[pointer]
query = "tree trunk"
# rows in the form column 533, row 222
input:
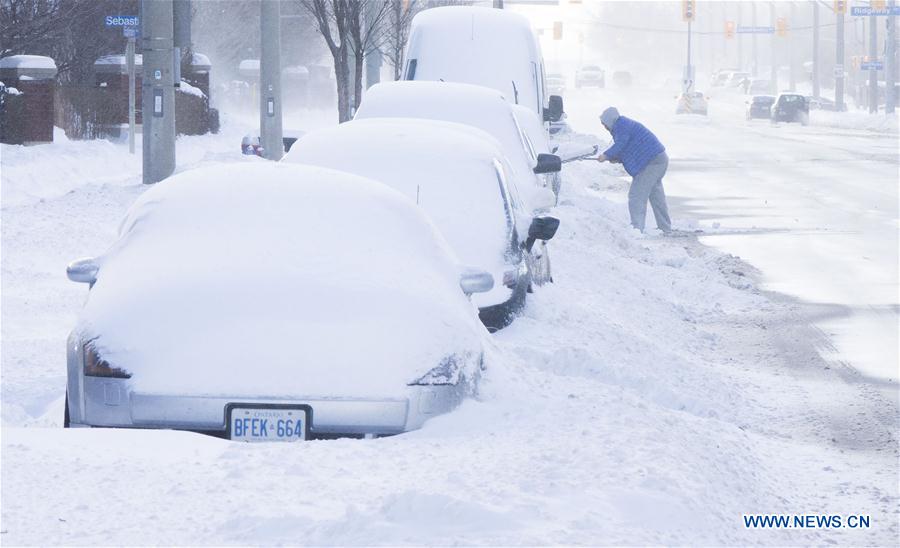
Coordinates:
column 358, row 78
column 342, row 80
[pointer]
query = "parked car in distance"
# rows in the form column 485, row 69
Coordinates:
column 823, row 103
column 556, row 84
column 481, row 46
column 250, row 143
column 461, row 179
column 721, row 77
column 622, row 78
column 760, row 107
column 692, row 102
column 273, row 302
column 790, row 107
column 590, row 76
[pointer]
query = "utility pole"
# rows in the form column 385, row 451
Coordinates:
column 158, row 90
column 753, row 69
column 498, row 4
column 890, row 61
column 873, row 56
column 270, row 135
column 839, row 61
column 373, row 57
column 815, row 53
column 792, row 48
column 773, row 74
column 129, row 60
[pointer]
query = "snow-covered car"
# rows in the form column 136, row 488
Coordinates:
column 790, row 107
column 590, row 75
column 537, row 142
column 720, row 78
column 270, row 301
column 460, row 177
column 481, row 46
column 692, row 102
column 556, row 84
column 760, row 107
column 475, row 106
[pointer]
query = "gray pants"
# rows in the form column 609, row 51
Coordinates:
column 647, row 185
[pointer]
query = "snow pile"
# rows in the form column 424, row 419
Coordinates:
column 856, row 120
column 186, row 87
column 28, row 62
column 288, row 265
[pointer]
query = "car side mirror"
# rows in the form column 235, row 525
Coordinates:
column 542, row 227
column 83, row 270
column 473, row 280
column 548, row 163
column 554, row 111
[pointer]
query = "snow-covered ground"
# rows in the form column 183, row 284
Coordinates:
column 653, row 394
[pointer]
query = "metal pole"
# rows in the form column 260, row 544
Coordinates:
column 753, row 69
column 688, row 81
column 158, row 90
column 873, row 56
column 839, row 62
column 890, row 62
column 815, row 53
column 792, row 53
column 270, row 132
column 183, row 31
column 740, row 38
column 773, row 74
column 129, row 59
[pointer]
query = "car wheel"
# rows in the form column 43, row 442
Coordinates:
column 66, row 414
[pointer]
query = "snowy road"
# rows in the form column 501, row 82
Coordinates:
column 651, row 395
column 814, row 208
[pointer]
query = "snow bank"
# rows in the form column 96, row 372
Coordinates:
column 856, row 120
column 288, row 264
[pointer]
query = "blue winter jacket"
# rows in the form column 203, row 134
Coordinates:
column 634, row 145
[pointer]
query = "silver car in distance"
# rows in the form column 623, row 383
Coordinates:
column 274, row 302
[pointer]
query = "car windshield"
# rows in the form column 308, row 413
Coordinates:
column 791, row 99
column 763, row 100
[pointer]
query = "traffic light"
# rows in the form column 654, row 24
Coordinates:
column 840, row 6
column 688, row 8
column 557, row 30
column 877, row 4
column 781, row 27
column 729, row 29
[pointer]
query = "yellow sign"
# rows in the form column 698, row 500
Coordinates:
column 781, row 27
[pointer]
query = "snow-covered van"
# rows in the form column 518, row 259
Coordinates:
column 482, row 46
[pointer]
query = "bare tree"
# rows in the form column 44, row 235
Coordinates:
column 396, row 27
column 366, row 20
column 332, row 18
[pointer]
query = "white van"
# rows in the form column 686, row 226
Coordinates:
column 482, row 46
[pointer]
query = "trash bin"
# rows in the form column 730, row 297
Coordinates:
column 26, row 115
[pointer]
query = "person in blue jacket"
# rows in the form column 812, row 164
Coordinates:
column 645, row 159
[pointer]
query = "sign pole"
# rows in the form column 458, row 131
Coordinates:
column 129, row 53
column 890, row 61
column 839, row 62
column 873, row 71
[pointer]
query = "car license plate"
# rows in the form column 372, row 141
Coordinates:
column 260, row 422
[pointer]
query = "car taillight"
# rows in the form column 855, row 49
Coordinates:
column 95, row 366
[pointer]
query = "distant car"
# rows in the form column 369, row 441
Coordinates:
column 720, row 78
column 590, row 75
column 693, row 102
column 556, row 84
column 622, row 78
column 758, row 86
column 459, row 176
column 274, row 302
column 790, row 107
column 737, row 79
column 250, row 143
column 823, row 103
column 760, row 107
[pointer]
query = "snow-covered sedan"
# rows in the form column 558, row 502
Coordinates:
column 590, row 75
column 459, row 176
column 274, row 302
column 692, row 102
